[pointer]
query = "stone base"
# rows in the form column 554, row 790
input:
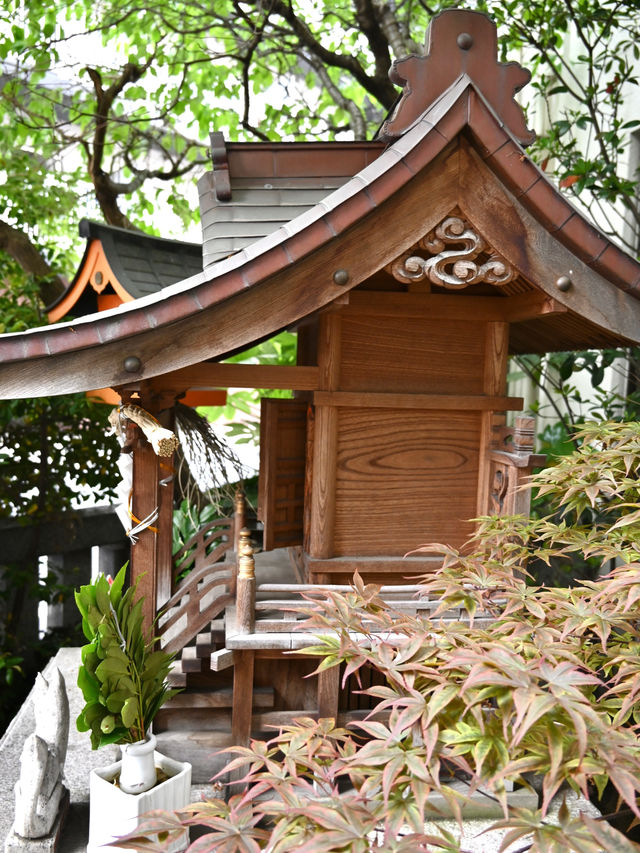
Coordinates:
column 17, row 844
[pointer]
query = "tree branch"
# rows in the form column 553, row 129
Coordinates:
column 18, row 246
column 104, row 187
column 358, row 124
column 378, row 86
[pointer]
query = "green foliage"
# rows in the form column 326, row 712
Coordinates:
column 531, row 684
column 122, row 678
column 187, row 520
column 11, row 684
column 53, row 452
column 557, row 375
column 241, row 414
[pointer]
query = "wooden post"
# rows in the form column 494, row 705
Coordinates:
column 246, row 586
column 243, row 661
column 496, row 352
column 144, row 500
column 239, row 516
column 325, row 441
column 164, row 559
column 509, row 492
column 524, row 434
column 328, row 691
column 151, row 554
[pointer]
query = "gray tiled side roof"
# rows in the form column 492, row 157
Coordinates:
column 257, row 208
column 142, row 263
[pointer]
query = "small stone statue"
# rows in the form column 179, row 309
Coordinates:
column 40, row 794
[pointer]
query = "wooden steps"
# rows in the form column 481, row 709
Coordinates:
column 195, row 725
column 200, row 748
column 208, row 641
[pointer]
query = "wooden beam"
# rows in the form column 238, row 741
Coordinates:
column 226, row 375
column 464, row 402
column 458, row 306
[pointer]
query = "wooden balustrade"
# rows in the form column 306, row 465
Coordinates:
column 205, row 572
column 511, row 469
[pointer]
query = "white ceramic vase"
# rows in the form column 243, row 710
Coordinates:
column 138, row 770
column 114, row 813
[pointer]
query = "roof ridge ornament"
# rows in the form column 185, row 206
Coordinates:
column 454, row 248
column 220, row 162
column 458, row 42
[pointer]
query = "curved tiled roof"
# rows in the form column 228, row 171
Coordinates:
column 137, row 264
column 290, row 273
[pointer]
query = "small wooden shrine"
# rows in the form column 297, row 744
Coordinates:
column 411, row 267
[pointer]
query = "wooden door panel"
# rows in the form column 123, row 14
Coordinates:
column 283, row 437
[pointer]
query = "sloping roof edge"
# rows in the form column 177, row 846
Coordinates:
column 459, row 108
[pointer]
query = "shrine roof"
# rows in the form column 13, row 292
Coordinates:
column 463, row 150
column 130, row 264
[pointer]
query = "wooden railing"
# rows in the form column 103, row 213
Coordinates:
column 511, row 469
column 204, row 579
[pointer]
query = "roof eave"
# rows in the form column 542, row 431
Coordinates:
column 53, row 350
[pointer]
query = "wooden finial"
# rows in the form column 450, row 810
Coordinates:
column 246, row 563
column 524, row 434
column 238, row 518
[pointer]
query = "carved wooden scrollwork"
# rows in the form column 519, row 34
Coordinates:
column 454, row 262
column 499, row 489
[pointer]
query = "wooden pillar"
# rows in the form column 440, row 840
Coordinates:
column 144, row 551
column 164, row 538
column 242, row 711
column 152, row 491
column 243, row 661
column 523, row 444
column 325, row 441
column 239, row 520
column 328, row 692
column 496, row 353
column 246, row 586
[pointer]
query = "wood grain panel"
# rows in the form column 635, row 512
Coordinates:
column 282, row 471
column 411, row 354
column 495, row 382
column 404, row 478
column 371, row 400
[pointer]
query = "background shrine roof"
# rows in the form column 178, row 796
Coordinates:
column 139, row 264
column 459, row 145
